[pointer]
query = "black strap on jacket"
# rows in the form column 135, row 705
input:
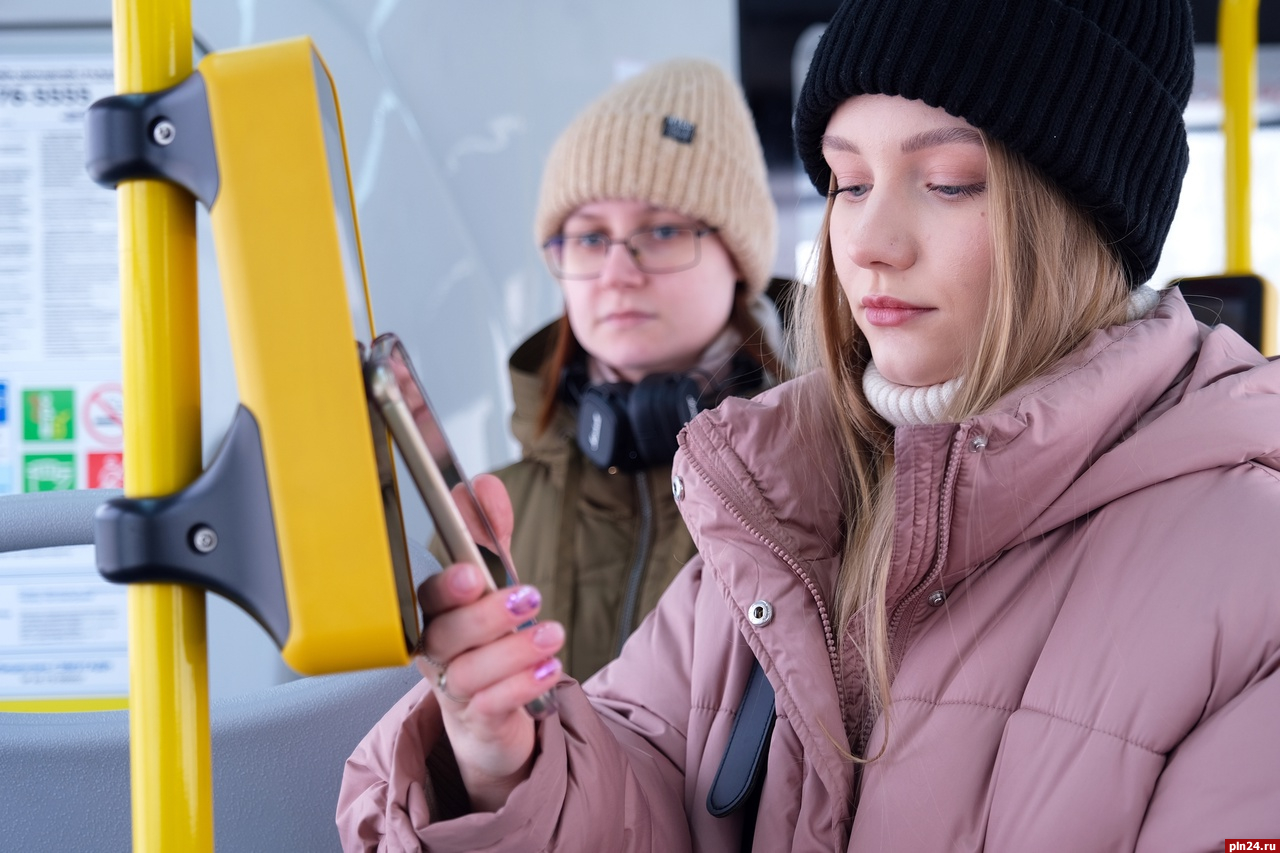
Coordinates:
column 741, row 773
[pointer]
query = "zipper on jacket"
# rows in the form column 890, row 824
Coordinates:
column 631, row 600
column 833, row 655
column 911, row 600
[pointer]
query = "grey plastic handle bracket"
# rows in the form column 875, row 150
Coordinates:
column 218, row 533
column 166, row 135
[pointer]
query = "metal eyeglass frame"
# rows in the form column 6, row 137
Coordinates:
column 548, row 250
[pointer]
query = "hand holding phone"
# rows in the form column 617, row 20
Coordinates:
column 399, row 397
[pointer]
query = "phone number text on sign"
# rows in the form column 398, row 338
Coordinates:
column 45, row 96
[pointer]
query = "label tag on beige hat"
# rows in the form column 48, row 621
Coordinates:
column 678, row 129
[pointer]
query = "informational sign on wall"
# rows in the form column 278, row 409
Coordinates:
column 59, row 290
column 62, row 633
column 62, row 628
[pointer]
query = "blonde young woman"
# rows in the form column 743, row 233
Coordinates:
column 1005, row 557
column 655, row 217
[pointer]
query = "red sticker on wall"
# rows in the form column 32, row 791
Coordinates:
column 106, row 470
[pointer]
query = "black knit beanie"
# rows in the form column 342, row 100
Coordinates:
column 1089, row 91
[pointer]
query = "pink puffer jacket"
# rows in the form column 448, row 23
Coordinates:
column 1085, row 618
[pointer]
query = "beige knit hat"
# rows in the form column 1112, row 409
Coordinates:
column 680, row 136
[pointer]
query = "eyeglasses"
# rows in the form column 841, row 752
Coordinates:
column 660, row 249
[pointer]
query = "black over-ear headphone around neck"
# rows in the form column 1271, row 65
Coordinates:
column 634, row 426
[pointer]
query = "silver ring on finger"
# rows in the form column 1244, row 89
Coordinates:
column 442, row 685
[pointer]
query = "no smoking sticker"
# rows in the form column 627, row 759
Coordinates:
column 103, row 415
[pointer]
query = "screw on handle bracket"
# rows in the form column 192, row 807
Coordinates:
column 218, row 533
column 163, row 135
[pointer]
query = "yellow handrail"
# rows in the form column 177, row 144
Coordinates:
column 170, row 752
column 1238, row 47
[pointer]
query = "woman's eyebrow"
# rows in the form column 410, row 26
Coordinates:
column 941, row 136
column 838, row 143
column 927, row 139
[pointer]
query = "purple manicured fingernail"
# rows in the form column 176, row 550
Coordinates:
column 524, row 600
column 548, row 669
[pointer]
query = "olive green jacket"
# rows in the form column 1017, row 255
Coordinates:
column 601, row 546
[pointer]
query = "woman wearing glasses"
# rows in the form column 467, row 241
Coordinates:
column 655, row 217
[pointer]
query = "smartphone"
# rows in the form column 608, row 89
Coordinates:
column 398, row 396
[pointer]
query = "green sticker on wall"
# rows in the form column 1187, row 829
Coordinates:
column 48, row 414
column 48, row 472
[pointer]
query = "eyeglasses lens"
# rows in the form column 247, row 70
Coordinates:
column 654, row 250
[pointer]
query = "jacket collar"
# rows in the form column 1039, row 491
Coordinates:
column 525, row 368
column 554, row 446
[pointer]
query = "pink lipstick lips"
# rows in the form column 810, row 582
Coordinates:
column 887, row 311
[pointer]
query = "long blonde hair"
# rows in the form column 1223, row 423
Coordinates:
column 1054, row 280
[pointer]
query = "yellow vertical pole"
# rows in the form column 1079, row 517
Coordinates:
column 170, row 752
column 1238, row 46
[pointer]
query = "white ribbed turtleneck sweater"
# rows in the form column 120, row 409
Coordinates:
column 906, row 405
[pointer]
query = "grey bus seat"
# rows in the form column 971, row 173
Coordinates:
column 278, row 753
